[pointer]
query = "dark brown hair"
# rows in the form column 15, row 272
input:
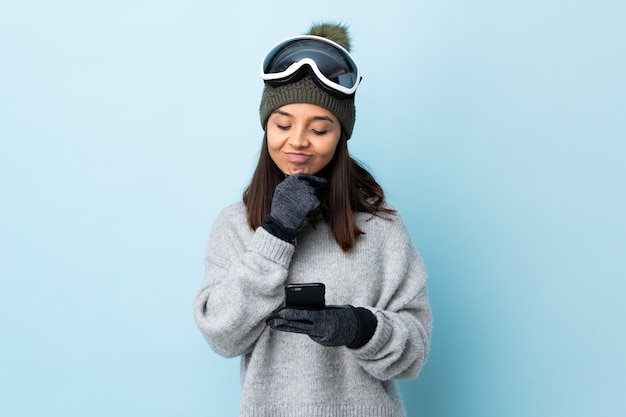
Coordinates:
column 351, row 188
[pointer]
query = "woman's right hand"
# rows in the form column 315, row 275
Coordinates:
column 294, row 198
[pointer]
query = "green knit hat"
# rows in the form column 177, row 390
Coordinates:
column 305, row 90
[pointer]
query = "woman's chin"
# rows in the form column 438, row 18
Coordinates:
column 297, row 170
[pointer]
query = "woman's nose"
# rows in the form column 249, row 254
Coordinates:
column 299, row 139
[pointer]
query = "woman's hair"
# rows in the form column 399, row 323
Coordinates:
column 351, row 188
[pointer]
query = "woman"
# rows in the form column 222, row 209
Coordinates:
column 312, row 214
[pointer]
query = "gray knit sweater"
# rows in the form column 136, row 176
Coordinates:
column 287, row 374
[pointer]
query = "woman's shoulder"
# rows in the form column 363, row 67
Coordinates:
column 230, row 226
column 233, row 210
column 388, row 224
column 232, row 216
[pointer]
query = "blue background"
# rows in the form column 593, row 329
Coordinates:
column 497, row 128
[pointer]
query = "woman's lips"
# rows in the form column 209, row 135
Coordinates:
column 298, row 157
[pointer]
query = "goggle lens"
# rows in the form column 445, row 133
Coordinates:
column 331, row 63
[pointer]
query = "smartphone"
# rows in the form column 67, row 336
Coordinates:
column 305, row 295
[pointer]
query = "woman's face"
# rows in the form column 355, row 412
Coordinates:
column 302, row 138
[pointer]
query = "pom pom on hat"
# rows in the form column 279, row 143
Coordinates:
column 335, row 32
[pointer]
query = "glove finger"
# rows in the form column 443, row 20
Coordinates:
column 289, row 326
column 314, row 181
column 297, row 314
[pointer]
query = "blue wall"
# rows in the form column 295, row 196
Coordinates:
column 497, row 129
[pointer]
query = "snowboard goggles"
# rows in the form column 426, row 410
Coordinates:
column 330, row 64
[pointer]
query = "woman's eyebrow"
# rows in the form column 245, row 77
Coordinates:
column 328, row 119
column 321, row 117
column 282, row 113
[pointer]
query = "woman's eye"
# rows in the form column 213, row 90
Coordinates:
column 320, row 132
column 282, row 127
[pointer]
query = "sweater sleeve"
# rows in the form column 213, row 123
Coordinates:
column 400, row 344
column 244, row 276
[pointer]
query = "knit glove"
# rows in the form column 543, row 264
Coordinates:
column 294, row 199
column 330, row 326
